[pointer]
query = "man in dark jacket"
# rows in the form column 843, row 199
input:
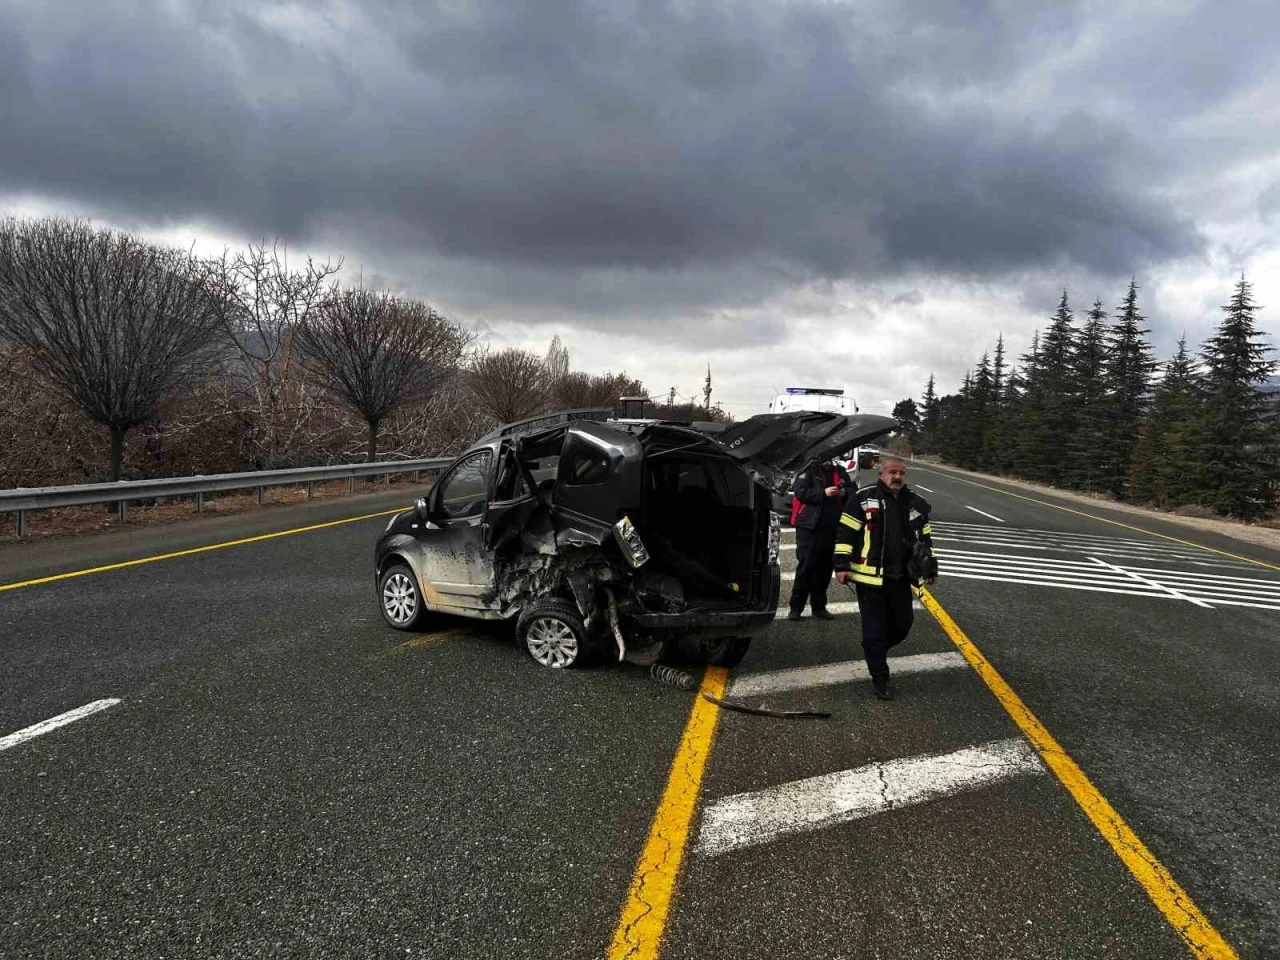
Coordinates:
column 819, row 491
column 885, row 546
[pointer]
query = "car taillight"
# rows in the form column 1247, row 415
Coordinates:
column 775, row 536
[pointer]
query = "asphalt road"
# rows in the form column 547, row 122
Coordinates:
column 286, row 777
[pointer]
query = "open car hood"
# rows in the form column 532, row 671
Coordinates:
column 775, row 446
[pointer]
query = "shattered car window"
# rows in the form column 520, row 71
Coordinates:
column 586, row 464
column 465, row 492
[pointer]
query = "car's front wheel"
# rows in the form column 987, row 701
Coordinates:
column 400, row 598
column 552, row 632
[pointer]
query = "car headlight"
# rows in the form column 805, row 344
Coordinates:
column 775, row 536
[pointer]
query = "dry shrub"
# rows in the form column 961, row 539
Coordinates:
column 1197, row 510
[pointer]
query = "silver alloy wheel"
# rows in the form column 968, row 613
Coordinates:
column 399, row 598
column 551, row 642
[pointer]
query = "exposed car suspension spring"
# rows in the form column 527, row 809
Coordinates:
column 672, row 677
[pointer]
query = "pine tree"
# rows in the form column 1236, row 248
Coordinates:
column 1025, row 456
column 957, row 428
column 1164, row 469
column 993, row 438
column 1085, row 448
column 982, row 405
column 1239, row 442
column 1057, row 389
column 1128, row 376
column 908, row 414
column 997, row 368
column 1006, row 429
column 929, row 418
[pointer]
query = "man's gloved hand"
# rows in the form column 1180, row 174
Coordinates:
column 923, row 565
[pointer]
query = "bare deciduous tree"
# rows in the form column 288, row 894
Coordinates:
column 118, row 325
column 556, row 364
column 579, row 389
column 261, row 302
column 374, row 352
column 507, row 385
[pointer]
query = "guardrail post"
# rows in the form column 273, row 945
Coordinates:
column 386, row 478
column 200, row 502
column 21, row 517
column 122, row 511
column 351, row 485
column 311, row 491
column 260, row 494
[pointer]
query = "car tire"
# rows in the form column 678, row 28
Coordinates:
column 400, row 598
column 552, row 632
column 724, row 651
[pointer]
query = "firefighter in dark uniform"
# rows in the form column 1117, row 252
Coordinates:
column 884, row 544
column 819, row 491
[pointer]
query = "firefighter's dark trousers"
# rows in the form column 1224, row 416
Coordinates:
column 886, row 621
column 815, row 554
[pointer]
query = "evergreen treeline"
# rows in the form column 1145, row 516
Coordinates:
column 1089, row 408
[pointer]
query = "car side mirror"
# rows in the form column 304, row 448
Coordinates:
column 421, row 509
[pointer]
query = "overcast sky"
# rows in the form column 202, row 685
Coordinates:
column 799, row 193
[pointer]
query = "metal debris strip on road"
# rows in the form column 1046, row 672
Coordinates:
column 683, row 680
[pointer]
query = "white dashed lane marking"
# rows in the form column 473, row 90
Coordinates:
column 53, row 723
column 984, row 513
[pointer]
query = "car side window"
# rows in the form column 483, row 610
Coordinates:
column 465, row 491
column 583, row 464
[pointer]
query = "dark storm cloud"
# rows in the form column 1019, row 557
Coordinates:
column 831, row 139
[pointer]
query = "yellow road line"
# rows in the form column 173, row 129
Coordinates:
column 1094, row 516
column 194, row 550
column 644, row 915
column 1177, row 906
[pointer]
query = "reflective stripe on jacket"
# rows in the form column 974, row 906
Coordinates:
column 860, row 536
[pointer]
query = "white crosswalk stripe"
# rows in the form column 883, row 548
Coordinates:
column 829, row 674
column 1111, row 575
column 748, row 819
column 1087, row 544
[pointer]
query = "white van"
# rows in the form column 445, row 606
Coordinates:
column 820, row 399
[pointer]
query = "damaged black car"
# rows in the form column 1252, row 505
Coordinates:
column 615, row 537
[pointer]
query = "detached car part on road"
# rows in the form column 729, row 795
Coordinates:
column 626, row 536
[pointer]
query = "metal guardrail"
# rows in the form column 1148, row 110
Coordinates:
column 21, row 499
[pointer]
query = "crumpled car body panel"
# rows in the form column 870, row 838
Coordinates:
column 696, row 495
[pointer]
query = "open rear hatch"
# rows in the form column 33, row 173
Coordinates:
column 774, row 447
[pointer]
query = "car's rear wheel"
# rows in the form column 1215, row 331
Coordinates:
column 552, row 632
column 724, row 651
column 400, row 598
